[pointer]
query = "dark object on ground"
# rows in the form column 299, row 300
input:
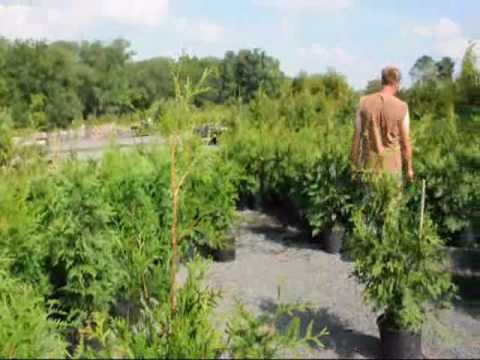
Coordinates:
column 333, row 240
column 464, row 261
column 469, row 237
column 210, row 132
column 249, row 201
column 73, row 337
column 226, row 254
column 468, row 287
column 465, row 269
column 398, row 344
column 143, row 129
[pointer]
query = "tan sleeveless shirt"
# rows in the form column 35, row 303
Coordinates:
column 381, row 118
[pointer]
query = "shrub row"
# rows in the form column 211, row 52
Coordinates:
column 310, row 167
column 87, row 237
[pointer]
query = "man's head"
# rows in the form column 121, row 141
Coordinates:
column 391, row 78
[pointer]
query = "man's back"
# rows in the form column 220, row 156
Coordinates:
column 381, row 139
column 381, row 120
column 383, row 115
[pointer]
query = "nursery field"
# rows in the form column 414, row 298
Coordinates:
column 272, row 254
column 87, row 250
column 263, row 243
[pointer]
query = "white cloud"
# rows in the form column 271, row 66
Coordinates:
column 136, row 12
column 24, row 21
column 58, row 19
column 447, row 36
column 322, row 5
column 198, row 31
column 53, row 19
column 318, row 59
column 421, row 30
column 322, row 56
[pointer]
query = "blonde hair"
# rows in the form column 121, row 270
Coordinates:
column 391, row 76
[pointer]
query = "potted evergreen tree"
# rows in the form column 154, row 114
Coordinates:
column 224, row 249
column 329, row 200
column 209, row 219
column 398, row 257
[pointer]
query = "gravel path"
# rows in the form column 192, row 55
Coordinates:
column 270, row 254
column 94, row 148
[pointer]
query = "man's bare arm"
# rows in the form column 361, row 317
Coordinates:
column 406, row 145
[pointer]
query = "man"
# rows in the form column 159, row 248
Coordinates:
column 381, row 142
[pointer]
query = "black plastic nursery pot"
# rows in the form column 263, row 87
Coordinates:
column 464, row 261
column 466, row 238
column 245, row 201
column 226, row 254
column 398, row 344
column 249, row 201
column 464, row 266
column 333, row 240
column 468, row 287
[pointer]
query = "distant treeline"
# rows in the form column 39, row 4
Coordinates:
column 50, row 84
column 45, row 85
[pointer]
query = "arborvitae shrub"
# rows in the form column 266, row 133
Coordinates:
column 25, row 328
column 401, row 268
column 74, row 226
column 136, row 195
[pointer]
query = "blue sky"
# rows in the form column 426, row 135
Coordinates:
column 356, row 37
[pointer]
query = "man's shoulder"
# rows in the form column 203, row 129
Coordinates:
column 370, row 101
column 374, row 101
column 377, row 97
column 365, row 99
column 399, row 102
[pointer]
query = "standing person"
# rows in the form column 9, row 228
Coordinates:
column 381, row 142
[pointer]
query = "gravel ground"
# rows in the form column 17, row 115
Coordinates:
column 270, row 254
column 94, row 148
